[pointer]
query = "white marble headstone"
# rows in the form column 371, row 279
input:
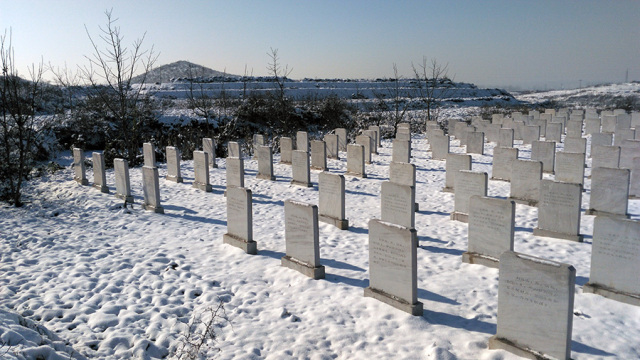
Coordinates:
column 302, row 238
column 455, row 163
column 503, row 158
column 286, row 147
column 535, row 305
column 331, row 203
column 397, row 204
column 318, row 155
column 300, row 173
column 355, row 160
column 265, row 163
column 123, row 185
column 559, row 210
column 99, row 175
column 393, row 277
column 525, row 181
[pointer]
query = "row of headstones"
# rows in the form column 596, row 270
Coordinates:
column 150, row 177
column 559, row 201
column 616, row 242
column 358, row 154
column 567, row 165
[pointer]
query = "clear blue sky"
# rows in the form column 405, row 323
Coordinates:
column 489, row 43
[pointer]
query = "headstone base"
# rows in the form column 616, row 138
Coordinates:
column 304, row 268
column 155, row 209
column 604, row 213
column 81, row 181
column 460, row 217
column 128, row 199
column 479, row 259
column 333, row 157
column 496, row 343
column 416, row 207
column 102, row 188
column 447, row 189
column 499, row 179
column 527, row 202
column 176, row 179
column 557, row 235
column 631, row 197
column 342, row 224
column 214, row 165
column 202, row 186
column 356, row 174
column 318, row 168
column 627, row 298
column 250, row 247
column 413, row 309
column 548, row 172
column 285, row 162
column 301, row 183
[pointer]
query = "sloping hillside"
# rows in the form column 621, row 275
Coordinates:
column 624, row 96
column 178, row 69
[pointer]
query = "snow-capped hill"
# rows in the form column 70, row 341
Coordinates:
column 178, row 69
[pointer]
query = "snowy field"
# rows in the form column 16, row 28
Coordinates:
column 83, row 277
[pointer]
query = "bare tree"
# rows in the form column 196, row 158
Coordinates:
column 110, row 72
column 200, row 101
column 20, row 125
column 279, row 74
column 393, row 102
column 431, row 78
column 68, row 82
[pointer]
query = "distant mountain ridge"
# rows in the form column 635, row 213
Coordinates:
column 178, row 69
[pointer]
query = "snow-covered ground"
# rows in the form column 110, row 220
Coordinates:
column 83, row 277
column 593, row 96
